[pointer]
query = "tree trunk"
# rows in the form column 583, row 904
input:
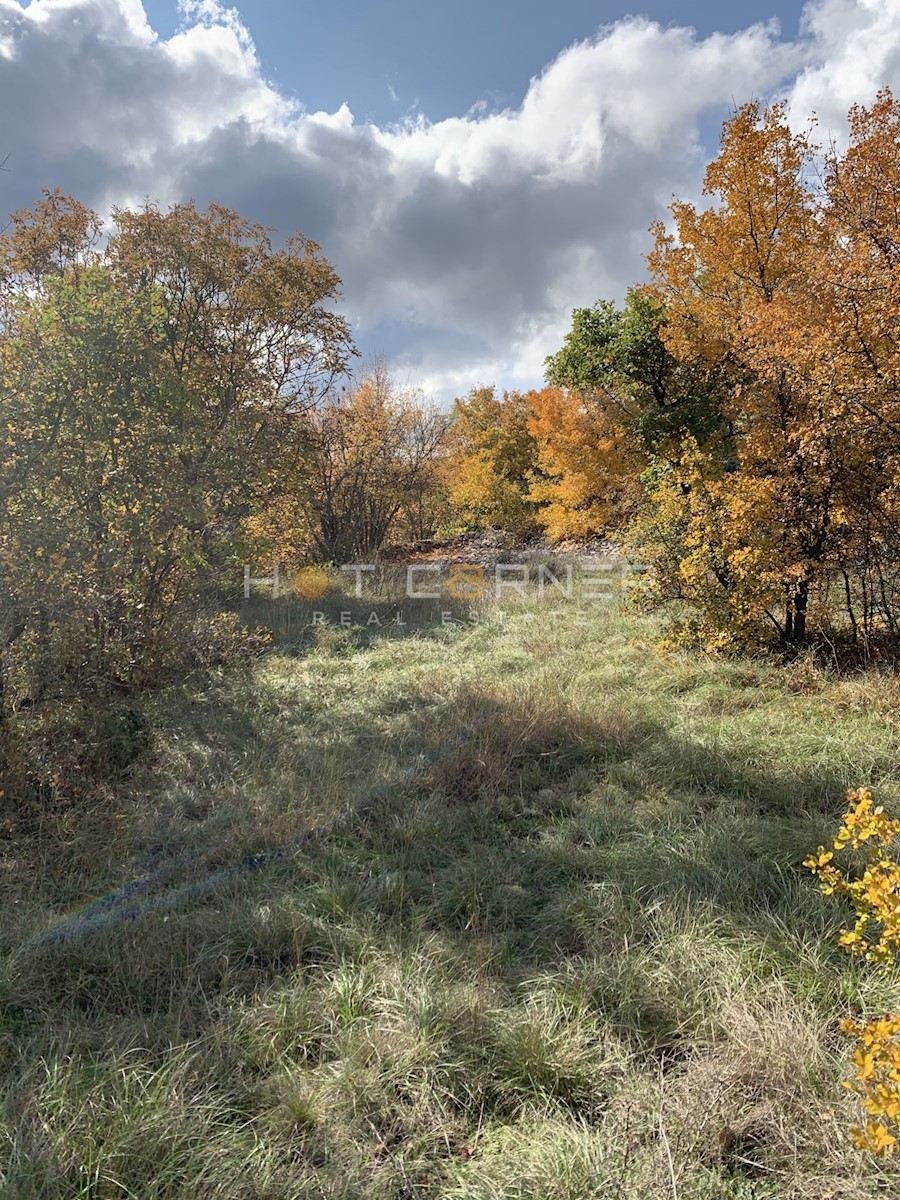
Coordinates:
column 801, row 605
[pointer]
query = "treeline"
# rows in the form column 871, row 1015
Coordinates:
column 737, row 422
column 175, row 400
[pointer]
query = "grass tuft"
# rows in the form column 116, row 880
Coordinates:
column 552, row 938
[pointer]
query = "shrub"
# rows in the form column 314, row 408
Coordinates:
column 875, row 895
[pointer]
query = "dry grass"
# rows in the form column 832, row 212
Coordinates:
column 553, row 938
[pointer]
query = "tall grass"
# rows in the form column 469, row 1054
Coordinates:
column 552, row 937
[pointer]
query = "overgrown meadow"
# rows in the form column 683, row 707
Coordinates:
column 551, row 934
column 473, row 898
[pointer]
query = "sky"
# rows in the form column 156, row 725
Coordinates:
column 474, row 169
column 387, row 58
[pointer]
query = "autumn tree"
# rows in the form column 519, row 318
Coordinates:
column 370, row 461
column 584, row 471
column 738, row 419
column 757, row 524
column 491, row 457
column 792, row 284
column 148, row 388
column 836, row 342
column 859, row 337
column 626, row 408
column 364, row 464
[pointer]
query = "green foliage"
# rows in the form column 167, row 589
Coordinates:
column 609, row 349
column 148, row 393
column 621, row 356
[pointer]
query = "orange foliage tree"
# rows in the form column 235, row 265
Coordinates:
column 835, row 342
column 583, row 467
column 627, row 407
column 363, row 467
column 491, row 456
column 757, row 520
column 745, row 404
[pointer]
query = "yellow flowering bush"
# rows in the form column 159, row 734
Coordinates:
column 875, row 936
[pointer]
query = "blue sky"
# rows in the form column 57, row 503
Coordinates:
column 474, row 170
column 442, row 58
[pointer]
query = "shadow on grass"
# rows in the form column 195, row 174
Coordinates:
column 523, row 890
column 512, row 817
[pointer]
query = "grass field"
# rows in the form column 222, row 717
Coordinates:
column 551, row 939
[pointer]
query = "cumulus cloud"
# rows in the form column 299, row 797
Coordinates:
column 854, row 50
column 464, row 243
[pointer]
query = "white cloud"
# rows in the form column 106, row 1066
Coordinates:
column 463, row 243
column 855, row 50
